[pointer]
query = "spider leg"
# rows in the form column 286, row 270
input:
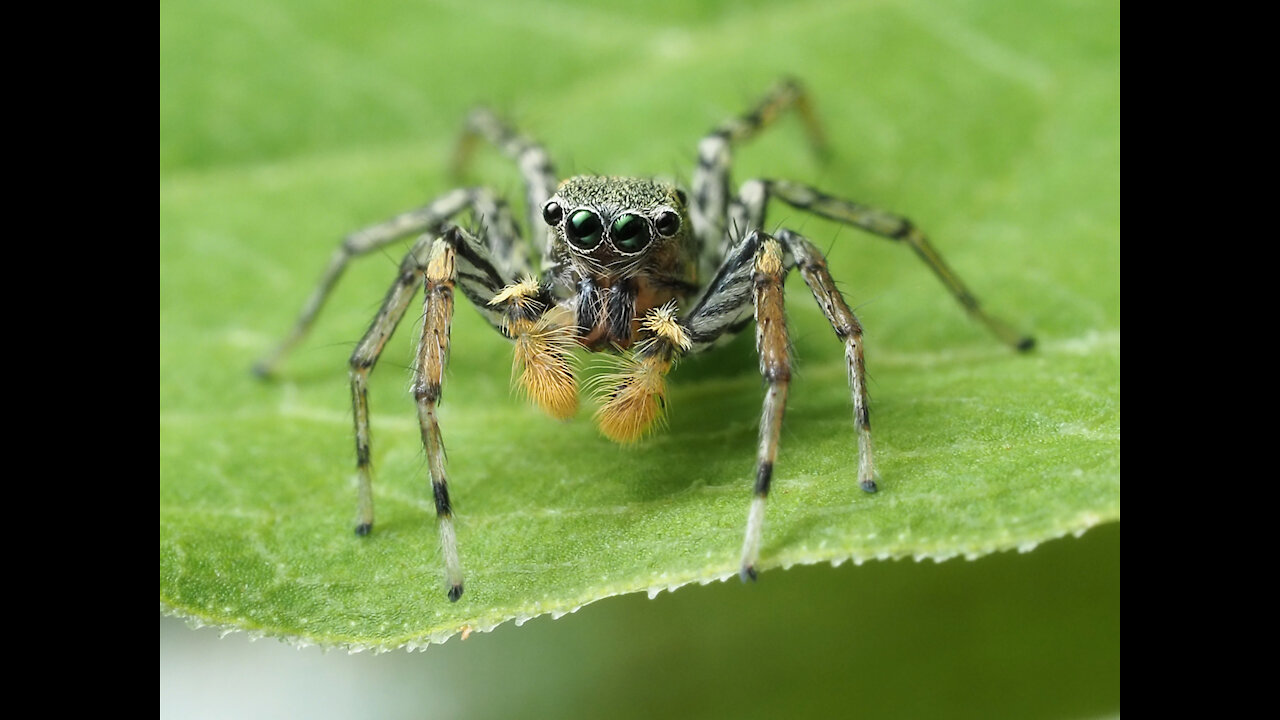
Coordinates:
column 366, row 356
column 535, row 166
column 709, row 209
column 813, row 268
column 756, row 194
column 433, row 355
column 751, row 280
column 725, row 307
column 773, row 346
column 502, row 233
column 455, row 258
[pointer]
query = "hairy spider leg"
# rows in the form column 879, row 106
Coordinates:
column 774, row 350
column 755, row 195
column 500, row 232
column 535, row 165
column 709, row 207
column 454, row 257
column 751, row 281
column 433, row 355
column 813, row 268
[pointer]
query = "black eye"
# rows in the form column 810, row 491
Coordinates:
column 630, row 233
column 552, row 214
column 668, row 223
column 584, row 229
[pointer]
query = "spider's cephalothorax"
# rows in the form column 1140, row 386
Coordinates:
column 627, row 265
column 624, row 247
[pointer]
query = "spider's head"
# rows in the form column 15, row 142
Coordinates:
column 618, row 225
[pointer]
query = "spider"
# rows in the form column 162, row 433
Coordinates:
column 632, row 266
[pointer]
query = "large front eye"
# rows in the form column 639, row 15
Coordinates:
column 583, row 229
column 630, row 233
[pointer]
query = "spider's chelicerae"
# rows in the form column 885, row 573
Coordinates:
column 633, row 266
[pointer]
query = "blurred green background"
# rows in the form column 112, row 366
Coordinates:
column 933, row 109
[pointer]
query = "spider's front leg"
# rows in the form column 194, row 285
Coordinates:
column 433, row 355
column 813, row 268
column 774, row 348
column 452, row 259
column 751, row 278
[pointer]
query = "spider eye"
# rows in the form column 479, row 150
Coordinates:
column 668, row 223
column 683, row 197
column 552, row 214
column 630, row 233
column 584, row 229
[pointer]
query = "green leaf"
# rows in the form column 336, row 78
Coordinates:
column 995, row 129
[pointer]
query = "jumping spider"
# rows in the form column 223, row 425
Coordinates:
column 628, row 265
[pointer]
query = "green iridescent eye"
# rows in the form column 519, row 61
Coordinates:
column 583, row 229
column 630, row 233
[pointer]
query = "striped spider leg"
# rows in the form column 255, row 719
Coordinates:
column 749, row 284
column 441, row 259
column 488, row 270
column 723, row 309
column 440, row 263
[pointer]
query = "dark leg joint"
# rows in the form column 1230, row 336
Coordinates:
column 455, row 592
column 362, row 455
column 1026, row 343
column 764, row 475
column 364, row 529
column 747, row 573
column 441, row 492
column 903, row 231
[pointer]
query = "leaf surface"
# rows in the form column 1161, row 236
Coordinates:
column 283, row 128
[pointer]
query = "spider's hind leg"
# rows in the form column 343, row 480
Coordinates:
column 711, row 201
column 535, row 165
